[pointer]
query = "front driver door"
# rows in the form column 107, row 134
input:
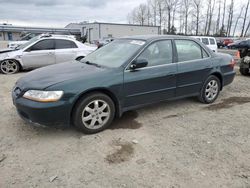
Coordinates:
column 155, row 82
column 40, row 54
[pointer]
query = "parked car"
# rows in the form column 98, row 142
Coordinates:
column 108, row 82
column 244, row 44
column 23, row 40
column 226, row 42
column 236, row 44
column 244, row 49
column 209, row 41
column 42, row 51
column 220, row 43
column 26, row 38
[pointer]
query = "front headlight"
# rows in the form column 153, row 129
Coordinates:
column 43, row 96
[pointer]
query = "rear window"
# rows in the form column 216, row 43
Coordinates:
column 65, row 44
column 205, row 41
column 211, row 41
column 188, row 50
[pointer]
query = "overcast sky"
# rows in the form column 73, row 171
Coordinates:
column 58, row 13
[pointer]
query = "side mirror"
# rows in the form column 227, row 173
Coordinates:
column 139, row 63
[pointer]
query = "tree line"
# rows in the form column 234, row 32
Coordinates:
column 195, row 17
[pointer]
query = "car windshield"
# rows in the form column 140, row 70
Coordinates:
column 27, row 43
column 115, row 53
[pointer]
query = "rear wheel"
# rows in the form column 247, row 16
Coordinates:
column 210, row 90
column 94, row 113
column 9, row 66
column 244, row 71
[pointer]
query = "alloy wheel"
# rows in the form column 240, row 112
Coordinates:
column 9, row 67
column 96, row 114
column 212, row 90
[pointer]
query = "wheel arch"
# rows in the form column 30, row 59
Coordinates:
column 219, row 76
column 79, row 57
column 98, row 90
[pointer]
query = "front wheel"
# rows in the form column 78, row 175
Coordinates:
column 9, row 66
column 94, row 113
column 210, row 90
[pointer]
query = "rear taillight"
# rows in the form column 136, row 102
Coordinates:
column 232, row 63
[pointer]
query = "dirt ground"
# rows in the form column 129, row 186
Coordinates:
column 173, row 144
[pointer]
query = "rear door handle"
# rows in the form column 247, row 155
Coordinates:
column 171, row 74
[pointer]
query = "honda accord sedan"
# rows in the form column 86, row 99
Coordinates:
column 126, row 74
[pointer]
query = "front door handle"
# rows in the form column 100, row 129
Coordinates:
column 208, row 66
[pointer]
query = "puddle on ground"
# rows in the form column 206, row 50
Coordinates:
column 229, row 102
column 127, row 121
column 171, row 116
column 123, row 153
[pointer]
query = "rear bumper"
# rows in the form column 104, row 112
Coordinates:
column 228, row 78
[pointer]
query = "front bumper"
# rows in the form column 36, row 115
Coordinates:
column 50, row 114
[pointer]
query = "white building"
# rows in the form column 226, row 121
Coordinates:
column 96, row 30
column 13, row 33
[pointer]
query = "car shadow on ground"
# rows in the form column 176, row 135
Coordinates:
column 127, row 121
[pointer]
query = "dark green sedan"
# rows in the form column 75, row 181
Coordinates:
column 126, row 74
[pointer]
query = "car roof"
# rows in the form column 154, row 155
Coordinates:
column 155, row 37
column 53, row 36
column 203, row 37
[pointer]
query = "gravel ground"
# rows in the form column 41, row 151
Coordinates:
column 173, row 144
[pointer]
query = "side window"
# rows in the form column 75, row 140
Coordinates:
column 46, row 44
column 204, row 53
column 205, row 41
column 158, row 53
column 65, row 44
column 188, row 50
column 212, row 42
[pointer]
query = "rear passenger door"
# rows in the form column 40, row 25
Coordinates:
column 65, row 50
column 193, row 66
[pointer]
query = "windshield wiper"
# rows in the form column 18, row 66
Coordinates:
column 90, row 63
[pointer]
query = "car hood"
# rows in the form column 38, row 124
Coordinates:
column 6, row 50
column 45, row 77
column 10, row 53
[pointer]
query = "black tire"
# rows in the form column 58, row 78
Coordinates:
column 14, row 64
column 202, row 97
column 244, row 71
column 80, row 107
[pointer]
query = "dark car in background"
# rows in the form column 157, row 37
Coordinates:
column 244, row 50
column 236, row 44
column 220, row 43
column 123, row 75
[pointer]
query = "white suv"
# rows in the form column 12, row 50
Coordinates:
column 209, row 41
column 41, row 51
